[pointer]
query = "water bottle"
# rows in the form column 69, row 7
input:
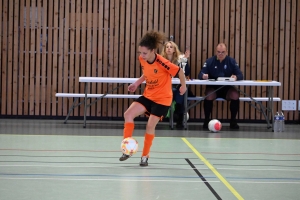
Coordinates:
column 282, row 119
column 276, row 122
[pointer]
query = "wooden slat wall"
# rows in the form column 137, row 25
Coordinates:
column 47, row 45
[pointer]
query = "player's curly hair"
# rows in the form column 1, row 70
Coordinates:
column 176, row 54
column 152, row 39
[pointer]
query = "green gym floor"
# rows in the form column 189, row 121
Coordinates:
column 46, row 159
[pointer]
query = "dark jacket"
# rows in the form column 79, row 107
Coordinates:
column 214, row 68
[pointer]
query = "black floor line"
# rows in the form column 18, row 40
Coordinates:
column 203, row 179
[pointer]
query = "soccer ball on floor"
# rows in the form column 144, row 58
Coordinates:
column 214, row 125
column 129, row 146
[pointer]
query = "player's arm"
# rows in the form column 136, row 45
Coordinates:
column 181, row 77
column 132, row 87
column 140, row 80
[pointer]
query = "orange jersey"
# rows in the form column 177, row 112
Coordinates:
column 158, row 76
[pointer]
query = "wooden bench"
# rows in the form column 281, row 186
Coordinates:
column 257, row 100
column 97, row 96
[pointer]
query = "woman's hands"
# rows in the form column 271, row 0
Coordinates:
column 132, row 87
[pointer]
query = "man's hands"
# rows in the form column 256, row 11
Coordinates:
column 234, row 76
column 205, row 76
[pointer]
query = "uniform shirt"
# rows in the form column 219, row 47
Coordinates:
column 158, row 76
column 214, row 68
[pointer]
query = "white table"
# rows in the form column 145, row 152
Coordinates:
column 268, row 84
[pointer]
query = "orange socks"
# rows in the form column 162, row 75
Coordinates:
column 128, row 129
column 147, row 144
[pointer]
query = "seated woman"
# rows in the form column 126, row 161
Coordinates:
column 171, row 52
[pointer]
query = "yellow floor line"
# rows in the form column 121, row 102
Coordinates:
column 234, row 192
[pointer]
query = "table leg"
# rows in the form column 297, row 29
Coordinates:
column 185, row 109
column 85, row 105
column 270, row 105
column 71, row 109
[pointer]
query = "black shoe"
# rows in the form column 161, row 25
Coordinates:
column 234, row 125
column 205, row 124
column 144, row 161
column 124, row 157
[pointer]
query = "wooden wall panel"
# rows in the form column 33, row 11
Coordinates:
column 4, row 76
column 49, row 58
column 295, row 67
column 20, row 54
column 65, row 55
column 37, row 83
column 9, row 58
column 60, row 47
column 15, row 61
column 44, row 60
column 47, row 45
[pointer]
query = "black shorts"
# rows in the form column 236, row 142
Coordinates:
column 222, row 93
column 153, row 108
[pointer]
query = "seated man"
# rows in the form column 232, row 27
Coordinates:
column 221, row 65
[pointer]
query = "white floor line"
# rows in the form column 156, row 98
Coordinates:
column 98, row 179
column 132, row 165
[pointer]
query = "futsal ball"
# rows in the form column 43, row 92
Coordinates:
column 129, row 146
column 214, row 125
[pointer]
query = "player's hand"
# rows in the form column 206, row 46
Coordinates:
column 182, row 90
column 132, row 87
column 205, row 76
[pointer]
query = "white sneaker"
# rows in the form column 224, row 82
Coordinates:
column 144, row 161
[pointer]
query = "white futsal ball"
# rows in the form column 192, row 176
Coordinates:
column 129, row 146
column 214, row 125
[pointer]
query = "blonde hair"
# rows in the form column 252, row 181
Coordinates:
column 176, row 53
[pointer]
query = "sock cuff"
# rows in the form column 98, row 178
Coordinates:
column 129, row 125
column 149, row 136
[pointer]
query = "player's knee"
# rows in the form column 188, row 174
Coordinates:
column 150, row 128
column 128, row 115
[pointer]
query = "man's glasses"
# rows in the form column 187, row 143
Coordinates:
column 221, row 52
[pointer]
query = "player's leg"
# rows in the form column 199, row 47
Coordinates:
column 208, row 104
column 149, row 137
column 157, row 112
column 132, row 112
column 135, row 109
column 233, row 96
